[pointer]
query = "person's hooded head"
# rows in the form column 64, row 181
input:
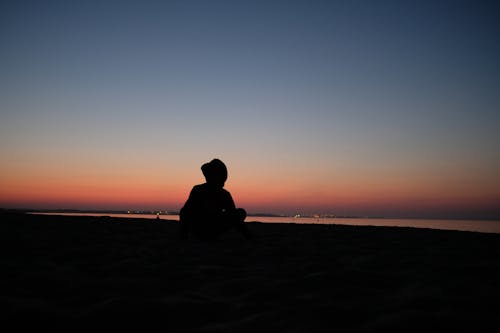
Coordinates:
column 215, row 172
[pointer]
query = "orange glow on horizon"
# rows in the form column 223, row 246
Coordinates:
column 286, row 192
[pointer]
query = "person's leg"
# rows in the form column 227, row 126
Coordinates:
column 237, row 221
column 240, row 214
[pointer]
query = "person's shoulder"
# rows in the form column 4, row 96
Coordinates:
column 199, row 188
column 226, row 192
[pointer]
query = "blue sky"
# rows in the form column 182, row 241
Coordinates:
column 307, row 94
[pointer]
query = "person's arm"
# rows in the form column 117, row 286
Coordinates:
column 229, row 204
column 186, row 214
column 194, row 200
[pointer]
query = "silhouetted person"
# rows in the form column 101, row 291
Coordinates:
column 210, row 209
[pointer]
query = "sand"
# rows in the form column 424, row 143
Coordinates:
column 95, row 272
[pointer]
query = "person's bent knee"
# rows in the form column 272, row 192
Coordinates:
column 240, row 214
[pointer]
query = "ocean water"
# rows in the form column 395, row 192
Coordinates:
column 462, row 225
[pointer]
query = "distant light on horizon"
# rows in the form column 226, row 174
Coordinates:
column 317, row 107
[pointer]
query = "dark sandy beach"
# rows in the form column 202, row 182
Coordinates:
column 76, row 272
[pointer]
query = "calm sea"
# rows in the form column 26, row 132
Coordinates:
column 463, row 225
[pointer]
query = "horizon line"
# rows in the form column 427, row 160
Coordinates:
column 263, row 214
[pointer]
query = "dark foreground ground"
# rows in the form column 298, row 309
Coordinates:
column 94, row 272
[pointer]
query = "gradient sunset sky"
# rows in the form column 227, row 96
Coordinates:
column 368, row 108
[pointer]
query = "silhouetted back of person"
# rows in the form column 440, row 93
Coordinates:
column 210, row 209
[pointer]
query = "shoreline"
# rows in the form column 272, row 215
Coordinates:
column 439, row 224
column 294, row 277
column 249, row 215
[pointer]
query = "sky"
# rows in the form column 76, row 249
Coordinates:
column 365, row 108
